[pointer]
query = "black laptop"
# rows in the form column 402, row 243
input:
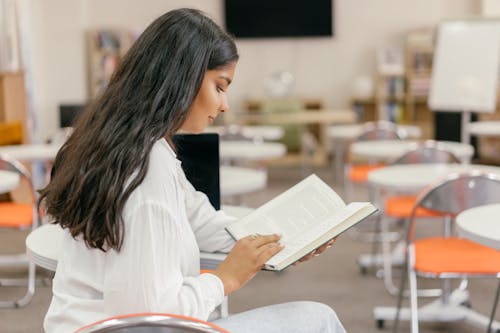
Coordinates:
column 199, row 154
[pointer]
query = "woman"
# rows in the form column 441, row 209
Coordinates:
column 134, row 224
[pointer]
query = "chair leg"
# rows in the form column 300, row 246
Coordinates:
column 26, row 299
column 492, row 316
column 402, row 287
column 412, row 278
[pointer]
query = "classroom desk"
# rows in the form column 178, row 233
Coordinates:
column 481, row 225
column 385, row 150
column 322, row 118
column 342, row 135
column 349, row 132
column 236, row 181
column 241, row 151
column 484, row 128
column 32, row 152
column 298, row 118
column 254, row 132
column 411, row 178
column 8, row 181
column 43, row 245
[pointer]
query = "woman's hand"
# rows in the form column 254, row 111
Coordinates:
column 246, row 258
column 317, row 252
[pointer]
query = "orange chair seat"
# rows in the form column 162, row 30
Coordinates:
column 359, row 173
column 454, row 255
column 15, row 215
column 401, row 206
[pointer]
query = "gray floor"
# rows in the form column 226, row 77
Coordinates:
column 333, row 278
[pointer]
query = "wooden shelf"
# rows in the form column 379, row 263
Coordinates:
column 13, row 101
column 401, row 96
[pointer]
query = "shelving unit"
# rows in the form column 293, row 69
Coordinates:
column 390, row 84
column 402, row 84
column 419, row 53
column 365, row 109
column 391, row 97
column 106, row 47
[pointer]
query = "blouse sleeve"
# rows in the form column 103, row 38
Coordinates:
column 207, row 223
column 146, row 275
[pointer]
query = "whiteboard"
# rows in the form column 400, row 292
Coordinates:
column 465, row 66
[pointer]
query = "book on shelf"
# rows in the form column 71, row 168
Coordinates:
column 307, row 216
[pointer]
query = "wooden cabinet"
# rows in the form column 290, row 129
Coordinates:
column 13, row 100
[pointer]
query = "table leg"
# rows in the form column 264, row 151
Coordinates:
column 494, row 309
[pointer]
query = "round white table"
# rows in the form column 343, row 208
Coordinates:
column 414, row 177
column 481, row 224
column 384, row 150
column 351, row 131
column 32, row 152
column 44, row 243
column 342, row 135
column 8, row 181
column 238, row 180
column 249, row 151
column 484, row 128
column 264, row 132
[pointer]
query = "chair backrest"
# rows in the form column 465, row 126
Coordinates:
column 11, row 164
column 380, row 130
column 199, row 154
column 151, row 323
column 427, row 152
column 456, row 193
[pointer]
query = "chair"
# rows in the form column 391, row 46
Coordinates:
column 448, row 257
column 21, row 216
column 356, row 172
column 151, row 323
column 399, row 207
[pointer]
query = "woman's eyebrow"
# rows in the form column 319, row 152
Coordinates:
column 226, row 78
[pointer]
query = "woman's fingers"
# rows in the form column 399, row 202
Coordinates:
column 260, row 240
column 267, row 251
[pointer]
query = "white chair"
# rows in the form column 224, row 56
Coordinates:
column 448, row 257
column 20, row 216
column 151, row 323
column 399, row 206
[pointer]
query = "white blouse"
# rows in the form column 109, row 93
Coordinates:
column 167, row 223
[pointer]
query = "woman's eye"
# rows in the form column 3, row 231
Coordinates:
column 220, row 89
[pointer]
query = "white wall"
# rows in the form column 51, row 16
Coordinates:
column 323, row 67
column 490, row 8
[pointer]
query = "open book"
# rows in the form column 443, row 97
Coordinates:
column 307, row 215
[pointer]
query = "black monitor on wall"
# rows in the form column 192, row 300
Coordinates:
column 68, row 113
column 279, row 18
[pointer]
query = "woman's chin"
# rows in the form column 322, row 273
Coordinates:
column 190, row 131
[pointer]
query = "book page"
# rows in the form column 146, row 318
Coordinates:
column 293, row 212
column 323, row 231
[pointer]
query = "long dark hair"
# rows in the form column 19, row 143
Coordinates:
column 147, row 98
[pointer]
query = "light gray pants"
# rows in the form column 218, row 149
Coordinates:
column 293, row 317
